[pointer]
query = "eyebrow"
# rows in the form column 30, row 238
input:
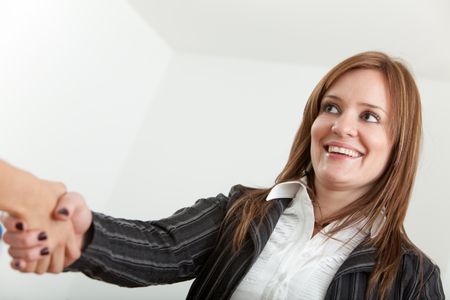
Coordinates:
column 363, row 103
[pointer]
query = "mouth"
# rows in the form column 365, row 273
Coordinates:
column 343, row 151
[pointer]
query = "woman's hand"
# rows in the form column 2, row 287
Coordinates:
column 29, row 248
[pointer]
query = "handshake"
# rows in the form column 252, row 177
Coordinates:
column 45, row 226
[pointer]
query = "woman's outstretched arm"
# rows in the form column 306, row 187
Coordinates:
column 136, row 253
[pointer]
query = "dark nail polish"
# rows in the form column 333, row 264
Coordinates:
column 45, row 251
column 19, row 226
column 17, row 264
column 63, row 211
column 42, row 236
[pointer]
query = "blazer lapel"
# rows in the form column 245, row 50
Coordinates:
column 361, row 259
column 260, row 231
column 224, row 269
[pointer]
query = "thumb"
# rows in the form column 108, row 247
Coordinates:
column 71, row 206
column 67, row 204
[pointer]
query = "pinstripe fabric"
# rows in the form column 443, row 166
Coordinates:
column 351, row 280
column 187, row 245
column 224, row 269
column 136, row 253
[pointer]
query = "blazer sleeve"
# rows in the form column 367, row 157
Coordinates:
column 136, row 253
column 432, row 288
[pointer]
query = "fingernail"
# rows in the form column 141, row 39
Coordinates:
column 44, row 251
column 19, row 226
column 17, row 264
column 42, row 236
column 63, row 211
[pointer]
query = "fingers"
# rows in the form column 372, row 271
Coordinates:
column 17, row 264
column 27, row 245
column 73, row 206
column 57, row 261
column 64, row 208
column 42, row 265
column 13, row 224
column 16, row 236
column 29, row 254
column 29, row 267
column 33, row 251
column 23, row 266
column 25, row 239
column 49, row 264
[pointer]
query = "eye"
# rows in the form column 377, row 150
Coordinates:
column 330, row 108
column 370, row 117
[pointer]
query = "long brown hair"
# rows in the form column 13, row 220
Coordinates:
column 390, row 193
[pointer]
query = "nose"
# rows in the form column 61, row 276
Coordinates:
column 345, row 126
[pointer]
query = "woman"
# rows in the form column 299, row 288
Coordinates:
column 330, row 228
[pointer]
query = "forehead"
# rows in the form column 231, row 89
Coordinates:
column 362, row 86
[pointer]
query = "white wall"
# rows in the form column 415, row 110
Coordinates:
column 104, row 105
column 428, row 217
column 217, row 121
column 74, row 90
column 214, row 122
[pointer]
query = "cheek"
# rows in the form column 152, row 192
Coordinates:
column 314, row 137
column 318, row 132
column 381, row 152
column 319, row 129
column 380, row 144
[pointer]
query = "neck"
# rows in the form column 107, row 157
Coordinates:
column 332, row 199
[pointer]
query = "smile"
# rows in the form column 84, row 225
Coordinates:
column 343, row 151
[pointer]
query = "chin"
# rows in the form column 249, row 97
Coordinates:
column 335, row 178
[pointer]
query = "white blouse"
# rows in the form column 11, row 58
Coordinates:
column 294, row 264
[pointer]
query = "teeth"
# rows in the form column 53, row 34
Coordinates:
column 341, row 150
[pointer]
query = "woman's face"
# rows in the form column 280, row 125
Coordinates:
column 350, row 141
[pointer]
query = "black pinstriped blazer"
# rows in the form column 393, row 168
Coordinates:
column 188, row 245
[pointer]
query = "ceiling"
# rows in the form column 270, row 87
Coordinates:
column 307, row 32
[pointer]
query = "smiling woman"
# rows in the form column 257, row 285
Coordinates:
column 367, row 106
column 331, row 227
column 350, row 138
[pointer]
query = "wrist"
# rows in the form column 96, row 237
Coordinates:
column 87, row 237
